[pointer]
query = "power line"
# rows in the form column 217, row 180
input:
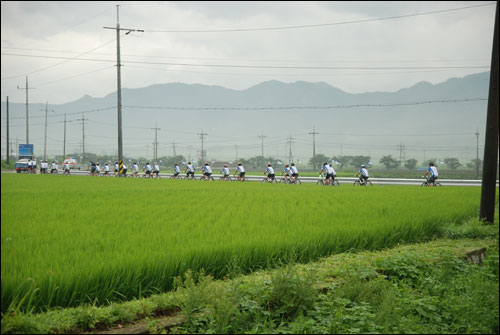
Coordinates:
column 260, row 66
column 312, row 107
column 271, row 60
column 316, row 25
column 54, row 65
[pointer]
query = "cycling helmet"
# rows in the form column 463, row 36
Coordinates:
column 431, row 164
column 363, row 166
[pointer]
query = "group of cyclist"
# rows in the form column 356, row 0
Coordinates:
column 54, row 168
column 290, row 172
column 150, row 172
column 207, row 171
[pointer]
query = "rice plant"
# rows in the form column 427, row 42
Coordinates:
column 73, row 240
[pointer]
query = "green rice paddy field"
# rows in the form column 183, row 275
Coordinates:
column 72, row 240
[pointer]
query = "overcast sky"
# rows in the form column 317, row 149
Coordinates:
column 357, row 47
column 365, row 46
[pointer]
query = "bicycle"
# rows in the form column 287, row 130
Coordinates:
column 362, row 183
column 322, row 182
column 295, row 181
column 267, row 180
column 427, row 183
column 190, row 177
column 210, row 178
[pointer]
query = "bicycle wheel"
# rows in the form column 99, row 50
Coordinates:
column 335, row 183
column 357, row 183
column 368, row 183
column 320, row 183
column 437, row 184
column 297, row 181
column 264, row 180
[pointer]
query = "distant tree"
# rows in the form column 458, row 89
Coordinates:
column 357, row 161
column 432, row 160
column 342, row 161
column 389, row 162
column 452, row 163
column 475, row 163
column 320, row 159
column 410, row 164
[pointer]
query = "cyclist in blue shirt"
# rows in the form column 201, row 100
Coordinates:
column 432, row 171
column 363, row 174
column 270, row 172
column 177, row 170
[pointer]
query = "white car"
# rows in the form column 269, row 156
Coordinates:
column 73, row 164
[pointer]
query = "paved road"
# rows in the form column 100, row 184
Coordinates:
column 342, row 180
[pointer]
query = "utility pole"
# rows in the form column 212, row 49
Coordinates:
column 173, row 146
column 290, row 158
column 314, row 148
column 64, row 146
column 477, row 152
column 156, row 141
column 27, row 112
column 490, row 159
column 83, row 119
column 119, row 80
column 7, row 112
column 262, row 143
column 202, row 136
column 45, row 138
column 401, row 147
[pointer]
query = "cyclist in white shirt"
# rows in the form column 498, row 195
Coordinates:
column 286, row 172
column 148, row 170
column 189, row 170
column 156, row 170
column 326, row 169
column 117, row 169
column 270, row 172
column 177, row 170
column 124, row 170
column 135, row 169
column 106, row 169
column 65, row 167
column 225, row 171
column 432, row 171
column 294, row 173
column 332, row 171
column 363, row 175
column 207, row 171
column 241, row 171
column 97, row 169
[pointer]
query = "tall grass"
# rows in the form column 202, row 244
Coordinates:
column 71, row 240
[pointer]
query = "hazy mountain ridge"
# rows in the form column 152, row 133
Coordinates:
column 248, row 123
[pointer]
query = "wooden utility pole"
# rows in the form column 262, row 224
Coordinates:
column 202, row 137
column 490, row 159
column 7, row 112
column 262, row 143
column 119, row 80
column 314, row 148
column 27, row 111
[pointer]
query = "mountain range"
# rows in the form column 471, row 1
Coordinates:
column 437, row 120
